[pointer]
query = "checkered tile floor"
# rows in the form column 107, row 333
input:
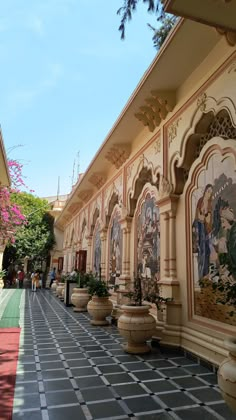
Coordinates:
column 71, row 370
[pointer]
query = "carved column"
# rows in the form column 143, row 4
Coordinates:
column 89, row 262
column 172, row 244
column 169, row 283
column 103, row 235
column 126, row 229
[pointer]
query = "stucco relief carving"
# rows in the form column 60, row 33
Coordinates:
column 157, row 108
column 118, row 154
column 157, row 145
column 201, row 101
column 172, row 130
column 98, row 179
column 165, row 187
column 85, row 195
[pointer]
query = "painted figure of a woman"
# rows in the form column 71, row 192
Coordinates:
column 202, row 227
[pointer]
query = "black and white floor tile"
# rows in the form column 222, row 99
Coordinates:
column 71, row 370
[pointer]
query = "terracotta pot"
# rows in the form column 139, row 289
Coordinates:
column 99, row 308
column 1, row 283
column 136, row 325
column 227, row 374
column 79, row 299
column 59, row 289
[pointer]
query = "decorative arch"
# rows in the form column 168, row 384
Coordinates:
column 147, row 234
column 144, row 175
column 218, row 119
column 210, row 205
column 113, row 201
column 115, row 244
column 96, row 215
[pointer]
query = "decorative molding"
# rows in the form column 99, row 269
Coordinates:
column 157, row 146
column 98, row 179
column 201, row 101
column 172, row 130
column 118, row 154
column 157, row 108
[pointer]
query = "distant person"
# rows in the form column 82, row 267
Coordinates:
column 20, row 277
column 35, row 281
column 52, row 276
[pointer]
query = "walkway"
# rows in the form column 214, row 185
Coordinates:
column 71, row 370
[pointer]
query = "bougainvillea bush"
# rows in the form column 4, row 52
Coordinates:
column 11, row 216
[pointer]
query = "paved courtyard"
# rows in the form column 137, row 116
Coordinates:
column 70, row 370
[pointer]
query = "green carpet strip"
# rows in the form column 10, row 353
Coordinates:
column 11, row 314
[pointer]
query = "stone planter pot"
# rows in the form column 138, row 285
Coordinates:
column 99, row 308
column 80, row 299
column 54, row 287
column 59, row 289
column 61, row 297
column 137, row 326
column 227, row 374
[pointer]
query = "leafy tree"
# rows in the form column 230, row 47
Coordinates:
column 166, row 20
column 35, row 238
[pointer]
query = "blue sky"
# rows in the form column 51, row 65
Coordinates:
column 65, row 77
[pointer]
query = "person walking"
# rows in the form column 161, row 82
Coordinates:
column 20, row 277
column 52, row 276
column 35, row 281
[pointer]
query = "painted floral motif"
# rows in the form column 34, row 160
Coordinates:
column 115, row 250
column 148, row 240
column 214, row 234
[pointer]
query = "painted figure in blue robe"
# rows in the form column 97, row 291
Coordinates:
column 201, row 229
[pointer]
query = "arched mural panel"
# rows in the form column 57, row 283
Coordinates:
column 115, row 248
column 212, row 204
column 148, row 239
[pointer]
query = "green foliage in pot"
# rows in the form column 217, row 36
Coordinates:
column 146, row 290
column 97, row 287
column 82, row 279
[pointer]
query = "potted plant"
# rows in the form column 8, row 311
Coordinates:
column 80, row 295
column 99, row 307
column 2, row 275
column 224, row 287
column 136, row 324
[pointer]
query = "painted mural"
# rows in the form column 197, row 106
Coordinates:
column 97, row 250
column 115, row 250
column 148, row 240
column 214, row 236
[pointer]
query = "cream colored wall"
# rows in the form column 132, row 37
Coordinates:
column 197, row 95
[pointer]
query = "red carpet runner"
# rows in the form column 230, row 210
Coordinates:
column 9, row 346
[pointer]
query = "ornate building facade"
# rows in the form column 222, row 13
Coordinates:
column 159, row 197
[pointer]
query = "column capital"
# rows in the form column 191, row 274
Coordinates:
column 168, row 204
column 126, row 223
